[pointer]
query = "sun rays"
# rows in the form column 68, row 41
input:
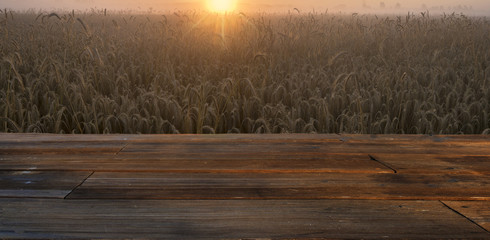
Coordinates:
column 221, row 5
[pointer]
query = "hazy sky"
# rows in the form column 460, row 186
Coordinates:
column 480, row 7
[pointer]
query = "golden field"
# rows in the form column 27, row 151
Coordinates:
column 199, row 72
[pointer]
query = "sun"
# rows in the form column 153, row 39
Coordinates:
column 221, row 5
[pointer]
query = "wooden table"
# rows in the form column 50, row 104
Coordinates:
column 244, row 186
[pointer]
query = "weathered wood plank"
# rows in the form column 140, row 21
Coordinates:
column 39, row 183
column 477, row 211
column 236, row 219
column 421, row 144
column 285, row 147
column 19, row 137
column 468, row 139
column 446, row 163
column 244, row 137
column 48, row 137
column 182, row 162
column 25, row 147
column 234, row 167
column 229, row 147
column 118, row 185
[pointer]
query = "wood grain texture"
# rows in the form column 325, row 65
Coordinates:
column 119, row 185
column 477, row 211
column 471, row 139
column 39, row 183
column 71, row 147
column 48, row 137
column 419, row 138
column 265, row 144
column 235, row 219
column 306, row 147
column 183, row 162
column 446, row 163
column 290, row 186
column 35, row 137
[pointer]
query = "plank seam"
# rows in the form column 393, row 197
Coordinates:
column 120, row 150
column 382, row 163
column 462, row 215
column 84, row 180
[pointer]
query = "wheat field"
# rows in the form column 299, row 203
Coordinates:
column 200, row 72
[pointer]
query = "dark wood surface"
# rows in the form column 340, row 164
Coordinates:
column 233, row 219
column 294, row 186
column 167, row 162
column 118, row 185
column 477, row 211
column 46, row 184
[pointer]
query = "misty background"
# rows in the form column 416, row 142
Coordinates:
column 471, row 7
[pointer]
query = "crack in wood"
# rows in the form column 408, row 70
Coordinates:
column 462, row 215
column 90, row 175
column 120, row 150
column 382, row 163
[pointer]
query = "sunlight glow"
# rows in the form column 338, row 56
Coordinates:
column 221, row 5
